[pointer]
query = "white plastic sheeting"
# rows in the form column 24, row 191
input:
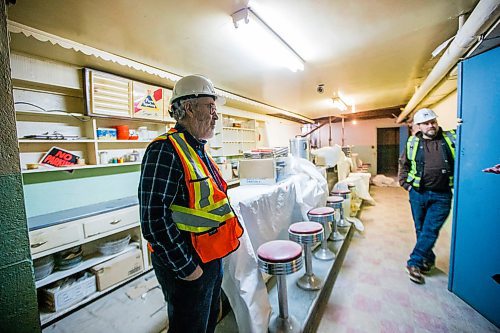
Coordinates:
column 265, row 212
column 382, row 181
column 334, row 156
column 362, row 182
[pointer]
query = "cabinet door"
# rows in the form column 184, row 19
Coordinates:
column 475, row 255
column 103, row 223
column 55, row 236
column 107, row 94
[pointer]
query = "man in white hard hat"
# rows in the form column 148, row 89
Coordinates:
column 185, row 212
column 426, row 172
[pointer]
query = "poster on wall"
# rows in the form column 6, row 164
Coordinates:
column 148, row 101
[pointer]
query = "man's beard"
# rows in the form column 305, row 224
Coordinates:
column 431, row 133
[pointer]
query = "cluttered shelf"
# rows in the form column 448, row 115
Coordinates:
column 87, row 262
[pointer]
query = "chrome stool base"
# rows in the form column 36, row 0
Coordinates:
column 309, row 282
column 284, row 325
column 324, row 254
column 336, row 236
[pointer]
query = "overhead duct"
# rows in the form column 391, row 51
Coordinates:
column 481, row 18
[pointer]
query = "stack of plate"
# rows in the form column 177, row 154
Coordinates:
column 69, row 258
column 43, row 267
column 113, row 245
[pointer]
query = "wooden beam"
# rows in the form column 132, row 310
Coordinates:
column 392, row 112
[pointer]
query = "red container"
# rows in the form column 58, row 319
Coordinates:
column 122, row 132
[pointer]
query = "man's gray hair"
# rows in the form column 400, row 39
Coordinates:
column 178, row 108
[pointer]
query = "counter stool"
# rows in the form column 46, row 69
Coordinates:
column 336, row 203
column 323, row 215
column 308, row 234
column 280, row 258
column 345, row 211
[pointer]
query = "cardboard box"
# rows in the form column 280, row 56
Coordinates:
column 118, row 269
column 265, row 171
column 68, row 291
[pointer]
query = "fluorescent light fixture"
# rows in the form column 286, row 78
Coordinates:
column 339, row 103
column 265, row 41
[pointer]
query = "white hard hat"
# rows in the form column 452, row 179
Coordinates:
column 193, row 86
column 423, row 115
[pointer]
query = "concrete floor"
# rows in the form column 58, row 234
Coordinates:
column 372, row 292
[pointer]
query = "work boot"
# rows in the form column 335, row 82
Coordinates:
column 415, row 275
column 426, row 267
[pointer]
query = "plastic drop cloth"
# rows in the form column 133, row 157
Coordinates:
column 362, row 182
column 266, row 211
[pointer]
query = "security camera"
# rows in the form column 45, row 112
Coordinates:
column 321, row 88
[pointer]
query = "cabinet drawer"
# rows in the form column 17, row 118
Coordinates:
column 52, row 237
column 109, row 221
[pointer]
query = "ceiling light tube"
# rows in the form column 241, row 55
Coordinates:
column 265, row 41
column 339, row 103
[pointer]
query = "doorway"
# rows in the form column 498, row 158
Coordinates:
column 387, row 151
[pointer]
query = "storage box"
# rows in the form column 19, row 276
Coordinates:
column 118, row 269
column 67, row 292
column 106, row 133
column 266, row 171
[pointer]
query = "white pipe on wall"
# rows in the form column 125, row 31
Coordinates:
column 486, row 12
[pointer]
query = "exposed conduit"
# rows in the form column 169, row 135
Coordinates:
column 485, row 13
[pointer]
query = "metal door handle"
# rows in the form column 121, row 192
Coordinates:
column 34, row 246
column 115, row 221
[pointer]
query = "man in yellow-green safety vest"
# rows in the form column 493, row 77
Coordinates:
column 185, row 212
column 426, row 172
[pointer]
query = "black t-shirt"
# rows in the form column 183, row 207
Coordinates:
column 434, row 177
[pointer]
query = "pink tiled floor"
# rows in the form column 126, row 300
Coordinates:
column 373, row 292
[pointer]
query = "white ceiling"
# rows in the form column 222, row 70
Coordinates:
column 375, row 52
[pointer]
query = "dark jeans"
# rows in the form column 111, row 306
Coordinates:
column 193, row 306
column 430, row 210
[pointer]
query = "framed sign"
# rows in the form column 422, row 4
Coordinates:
column 57, row 157
column 147, row 101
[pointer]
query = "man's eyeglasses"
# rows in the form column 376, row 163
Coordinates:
column 211, row 106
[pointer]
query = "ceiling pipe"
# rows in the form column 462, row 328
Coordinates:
column 485, row 13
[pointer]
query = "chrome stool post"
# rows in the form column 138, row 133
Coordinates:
column 336, row 203
column 307, row 234
column 280, row 258
column 323, row 215
column 346, row 207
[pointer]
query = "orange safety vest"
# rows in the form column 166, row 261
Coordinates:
column 214, row 227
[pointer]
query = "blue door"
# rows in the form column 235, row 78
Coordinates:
column 475, row 253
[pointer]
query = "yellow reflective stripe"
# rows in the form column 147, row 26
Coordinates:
column 450, row 138
column 197, row 172
column 182, row 151
column 201, row 213
column 189, row 228
column 412, row 148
